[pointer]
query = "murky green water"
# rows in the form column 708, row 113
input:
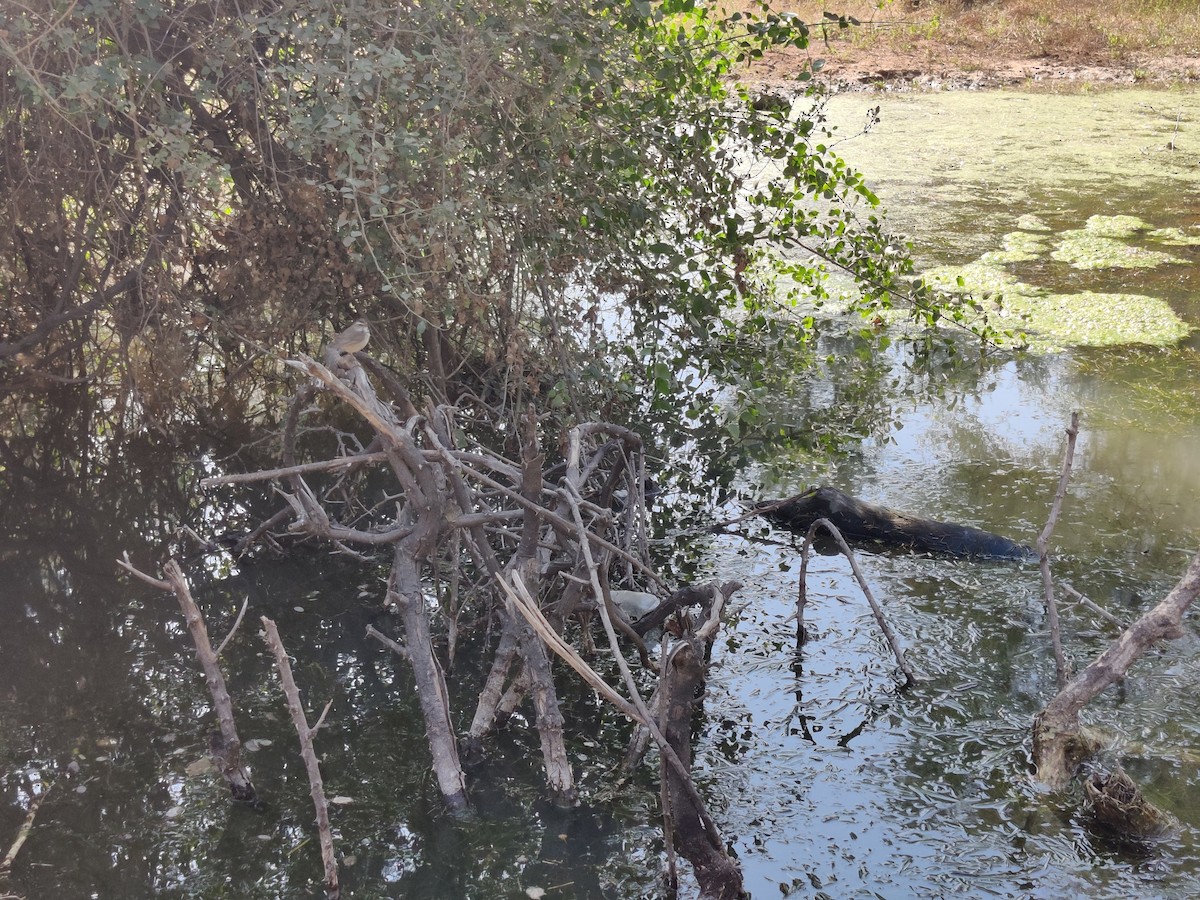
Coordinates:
column 826, row 781
column 836, row 785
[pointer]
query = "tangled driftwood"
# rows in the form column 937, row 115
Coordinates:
column 515, row 550
column 1119, row 805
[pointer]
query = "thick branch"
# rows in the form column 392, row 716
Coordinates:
column 1056, row 727
column 226, row 749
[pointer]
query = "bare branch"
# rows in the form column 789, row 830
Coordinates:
column 1061, row 667
column 307, row 753
column 893, row 641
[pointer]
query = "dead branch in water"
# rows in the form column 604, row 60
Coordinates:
column 1061, row 668
column 801, row 599
column 1058, row 747
column 685, row 813
column 1094, row 607
column 225, row 746
column 308, row 754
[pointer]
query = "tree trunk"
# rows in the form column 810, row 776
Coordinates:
column 405, row 592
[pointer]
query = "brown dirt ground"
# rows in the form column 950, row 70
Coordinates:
column 965, row 44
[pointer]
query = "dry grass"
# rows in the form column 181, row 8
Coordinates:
column 1084, row 32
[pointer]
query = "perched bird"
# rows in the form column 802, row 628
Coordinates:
column 353, row 338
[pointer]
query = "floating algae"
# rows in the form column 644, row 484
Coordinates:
column 1103, row 244
column 1175, row 237
column 1053, row 321
column 1019, row 246
column 1115, row 226
column 1030, row 222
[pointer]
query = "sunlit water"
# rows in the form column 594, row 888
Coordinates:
column 825, row 778
column 834, row 783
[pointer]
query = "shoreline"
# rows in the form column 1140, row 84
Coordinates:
column 890, row 72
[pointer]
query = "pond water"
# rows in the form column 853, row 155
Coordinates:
column 826, row 780
column 836, row 784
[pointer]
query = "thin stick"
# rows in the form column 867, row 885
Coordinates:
column 519, row 597
column 1094, row 607
column 397, row 648
column 23, row 832
column 527, row 607
column 1061, row 668
column 233, row 630
column 309, row 755
column 668, row 811
column 893, row 641
column 664, row 746
column 325, row 465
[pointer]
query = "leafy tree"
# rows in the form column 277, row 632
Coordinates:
column 528, row 200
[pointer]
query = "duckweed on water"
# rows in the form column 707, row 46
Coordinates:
column 1085, row 250
column 1030, row 222
column 1019, row 246
column 1101, row 320
column 1102, row 244
column 1087, row 319
column 979, row 277
column 1175, row 237
column 1115, row 226
column 1054, row 321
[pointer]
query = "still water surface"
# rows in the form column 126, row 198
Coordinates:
column 826, row 780
column 840, row 786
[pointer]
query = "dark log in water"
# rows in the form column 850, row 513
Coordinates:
column 859, row 522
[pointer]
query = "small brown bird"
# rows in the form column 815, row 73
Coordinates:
column 353, row 338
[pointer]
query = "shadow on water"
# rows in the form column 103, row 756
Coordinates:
column 827, row 781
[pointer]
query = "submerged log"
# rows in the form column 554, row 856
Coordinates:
column 1118, row 805
column 859, row 521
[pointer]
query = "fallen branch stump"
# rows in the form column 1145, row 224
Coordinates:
column 1119, row 806
column 1058, row 746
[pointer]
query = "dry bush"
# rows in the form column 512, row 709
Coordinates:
column 1077, row 31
